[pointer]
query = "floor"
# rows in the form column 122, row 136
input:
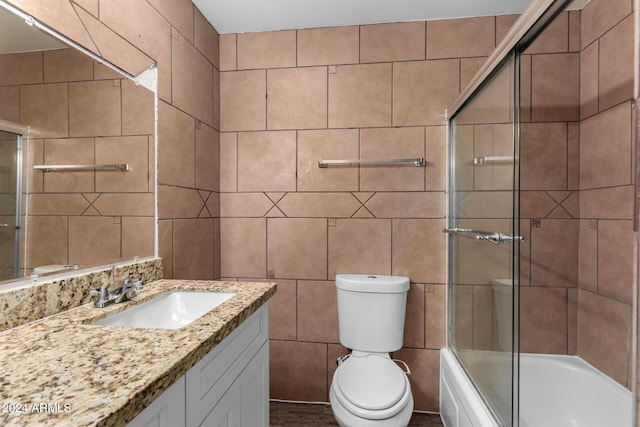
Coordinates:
column 284, row 414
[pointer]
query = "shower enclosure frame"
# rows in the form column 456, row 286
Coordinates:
column 533, row 21
column 20, row 225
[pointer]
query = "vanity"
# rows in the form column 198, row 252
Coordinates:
column 68, row 370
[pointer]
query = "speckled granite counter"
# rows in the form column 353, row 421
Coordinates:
column 62, row 370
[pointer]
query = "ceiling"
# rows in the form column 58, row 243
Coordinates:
column 243, row 16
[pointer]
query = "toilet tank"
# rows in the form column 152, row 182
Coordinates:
column 371, row 311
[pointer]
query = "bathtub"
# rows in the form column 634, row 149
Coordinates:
column 555, row 391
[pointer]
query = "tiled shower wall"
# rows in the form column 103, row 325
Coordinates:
column 174, row 35
column 87, row 217
column 290, row 98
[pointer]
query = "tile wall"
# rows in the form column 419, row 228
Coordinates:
column 81, row 112
column 290, row 98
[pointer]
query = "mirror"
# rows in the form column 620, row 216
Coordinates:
column 66, row 118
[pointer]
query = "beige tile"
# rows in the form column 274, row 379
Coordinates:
column 145, row 27
column 575, row 24
column 414, row 326
column 392, row 143
column 436, row 158
column 308, row 205
column 329, row 144
column 133, row 150
column 192, row 81
column 272, row 49
column 616, row 244
column 216, row 99
column 193, row 249
column 599, row 16
column 228, row 161
column 91, row 6
column 137, row 237
column 267, row 161
column 228, row 52
column 165, row 249
column 525, row 88
column 423, row 90
column 573, row 156
column 554, row 250
column 609, row 203
column 424, row 378
column 543, row 154
column 297, row 98
column 303, row 378
column 485, row 204
column 554, row 38
column 419, row 249
column 407, row 205
column 46, row 109
column 360, row 246
column 503, row 25
column 360, row 96
column 207, row 158
column 243, row 104
column 95, row 108
column 113, row 47
column 177, row 202
column 605, row 148
column 207, row 39
column 297, row 248
column 543, row 320
column 282, row 311
column 21, row 68
column 213, row 205
column 589, row 81
column 176, row 147
column 47, row 240
column 10, row 103
column 468, row 69
column 179, row 13
column 138, row 110
column 401, row 41
column 317, row 317
column 572, row 321
column 454, row 38
column 615, row 77
column 333, row 352
column 555, row 87
column 132, row 204
column 536, row 204
column 244, row 205
column 69, row 151
column 65, row 65
column 56, row 204
column 328, row 46
column 435, row 316
column 603, row 334
column 94, row 240
column 243, row 247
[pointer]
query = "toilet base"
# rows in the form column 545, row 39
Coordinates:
column 347, row 419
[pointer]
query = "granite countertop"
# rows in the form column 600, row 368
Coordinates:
column 62, row 370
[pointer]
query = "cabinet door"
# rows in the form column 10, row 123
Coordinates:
column 227, row 412
column 254, row 382
column 168, row 410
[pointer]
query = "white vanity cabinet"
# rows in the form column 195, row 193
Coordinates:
column 227, row 387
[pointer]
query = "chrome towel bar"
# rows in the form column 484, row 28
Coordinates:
column 418, row 162
column 490, row 236
column 482, row 160
column 52, row 168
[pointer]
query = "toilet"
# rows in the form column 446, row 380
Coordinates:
column 369, row 389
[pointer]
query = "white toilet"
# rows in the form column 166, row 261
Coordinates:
column 369, row 389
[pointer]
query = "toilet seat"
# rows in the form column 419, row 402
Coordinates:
column 371, row 387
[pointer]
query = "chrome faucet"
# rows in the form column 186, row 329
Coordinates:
column 122, row 294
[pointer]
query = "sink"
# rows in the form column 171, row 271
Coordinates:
column 169, row 311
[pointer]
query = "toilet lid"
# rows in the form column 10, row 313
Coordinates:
column 374, row 383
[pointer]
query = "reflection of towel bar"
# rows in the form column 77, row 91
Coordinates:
column 52, row 168
column 479, row 161
column 418, row 162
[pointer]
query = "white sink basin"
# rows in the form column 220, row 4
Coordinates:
column 170, row 311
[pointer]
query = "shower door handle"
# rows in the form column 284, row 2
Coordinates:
column 478, row 235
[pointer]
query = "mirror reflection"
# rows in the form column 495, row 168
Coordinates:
column 81, row 115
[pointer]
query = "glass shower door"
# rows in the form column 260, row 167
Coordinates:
column 483, row 255
column 10, row 176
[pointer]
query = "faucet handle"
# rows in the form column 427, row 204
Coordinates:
column 102, row 292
